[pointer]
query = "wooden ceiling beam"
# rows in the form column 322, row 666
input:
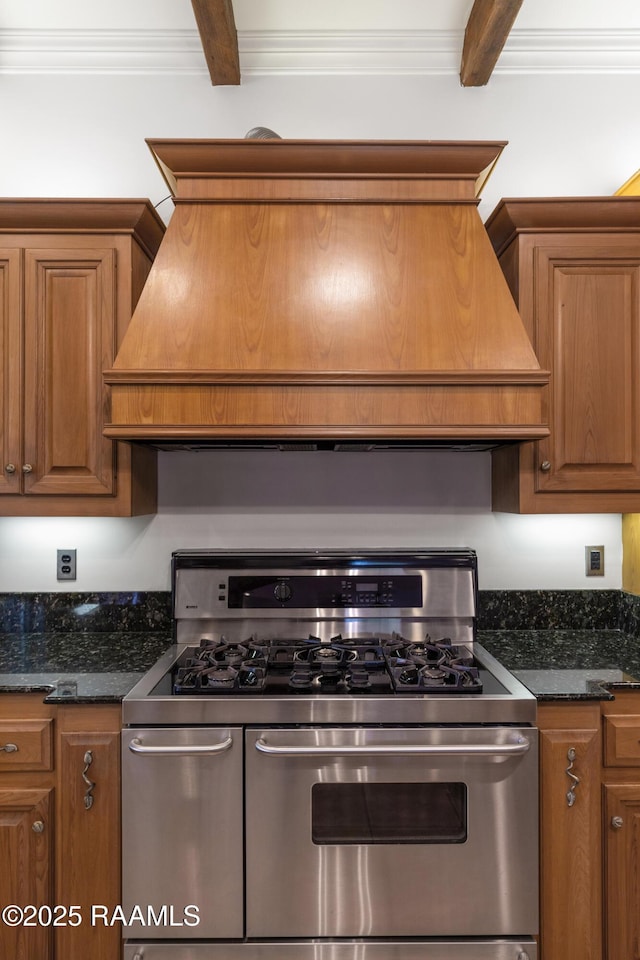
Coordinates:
column 488, row 27
column 217, row 29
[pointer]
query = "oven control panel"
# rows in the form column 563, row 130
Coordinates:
column 332, row 592
column 236, row 586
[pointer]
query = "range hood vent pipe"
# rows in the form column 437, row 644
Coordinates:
column 261, row 133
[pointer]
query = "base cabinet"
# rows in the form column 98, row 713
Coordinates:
column 88, row 837
column 622, row 878
column 590, row 829
column 60, row 826
column 570, row 848
column 621, row 826
column 26, row 870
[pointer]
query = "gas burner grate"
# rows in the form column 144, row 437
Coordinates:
column 337, row 666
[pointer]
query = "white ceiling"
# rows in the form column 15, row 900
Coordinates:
column 304, row 36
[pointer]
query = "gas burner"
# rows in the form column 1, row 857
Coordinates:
column 229, row 653
column 204, row 673
column 325, row 653
column 432, row 676
column 431, row 665
column 219, row 676
column 421, row 677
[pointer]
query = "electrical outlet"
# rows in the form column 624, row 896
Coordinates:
column 594, row 561
column 66, row 565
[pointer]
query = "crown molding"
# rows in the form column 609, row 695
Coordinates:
column 372, row 52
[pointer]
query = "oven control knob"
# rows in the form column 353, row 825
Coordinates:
column 282, row 592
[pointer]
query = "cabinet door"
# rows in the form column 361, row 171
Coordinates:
column 88, row 842
column 587, row 332
column 571, row 915
column 11, row 372
column 622, row 852
column 25, row 869
column 69, row 341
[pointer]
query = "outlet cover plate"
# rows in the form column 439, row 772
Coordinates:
column 66, row 565
column 594, row 561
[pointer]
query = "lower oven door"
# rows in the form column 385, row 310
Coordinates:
column 182, row 839
column 354, row 832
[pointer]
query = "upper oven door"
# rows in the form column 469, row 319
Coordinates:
column 391, row 832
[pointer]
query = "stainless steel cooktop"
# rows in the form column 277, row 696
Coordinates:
column 375, row 636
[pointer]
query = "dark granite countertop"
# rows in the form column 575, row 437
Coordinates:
column 78, row 667
column 568, row 664
column 555, row 664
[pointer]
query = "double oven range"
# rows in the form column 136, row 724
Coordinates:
column 326, row 765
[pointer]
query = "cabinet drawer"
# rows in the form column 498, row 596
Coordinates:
column 25, row 745
column 622, row 741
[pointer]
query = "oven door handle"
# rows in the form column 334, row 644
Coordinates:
column 514, row 749
column 182, row 749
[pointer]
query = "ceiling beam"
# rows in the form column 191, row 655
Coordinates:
column 488, row 27
column 217, row 29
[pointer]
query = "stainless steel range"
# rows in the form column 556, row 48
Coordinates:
column 327, row 766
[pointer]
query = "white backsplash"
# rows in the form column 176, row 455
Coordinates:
column 272, row 499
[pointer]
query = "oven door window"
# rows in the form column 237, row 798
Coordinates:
column 363, row 813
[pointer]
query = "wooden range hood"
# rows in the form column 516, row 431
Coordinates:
column 326, row 291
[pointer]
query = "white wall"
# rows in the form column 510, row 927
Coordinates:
column 84, row 136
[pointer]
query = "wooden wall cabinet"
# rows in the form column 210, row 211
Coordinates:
column 60, row 824
column 71, row 272
column 573, row 266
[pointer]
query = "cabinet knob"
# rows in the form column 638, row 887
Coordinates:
column 545, row 466
column 9, row 468
column 26, row 468
column 617, row 823
column 38, row 826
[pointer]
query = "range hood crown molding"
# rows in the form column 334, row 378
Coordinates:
column 316, row 290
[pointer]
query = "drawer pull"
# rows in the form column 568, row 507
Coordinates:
column 185, row 750
column 9, row 747
column 514, row 749
column 617, row 823
column 88, row 797
column 575, row 781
